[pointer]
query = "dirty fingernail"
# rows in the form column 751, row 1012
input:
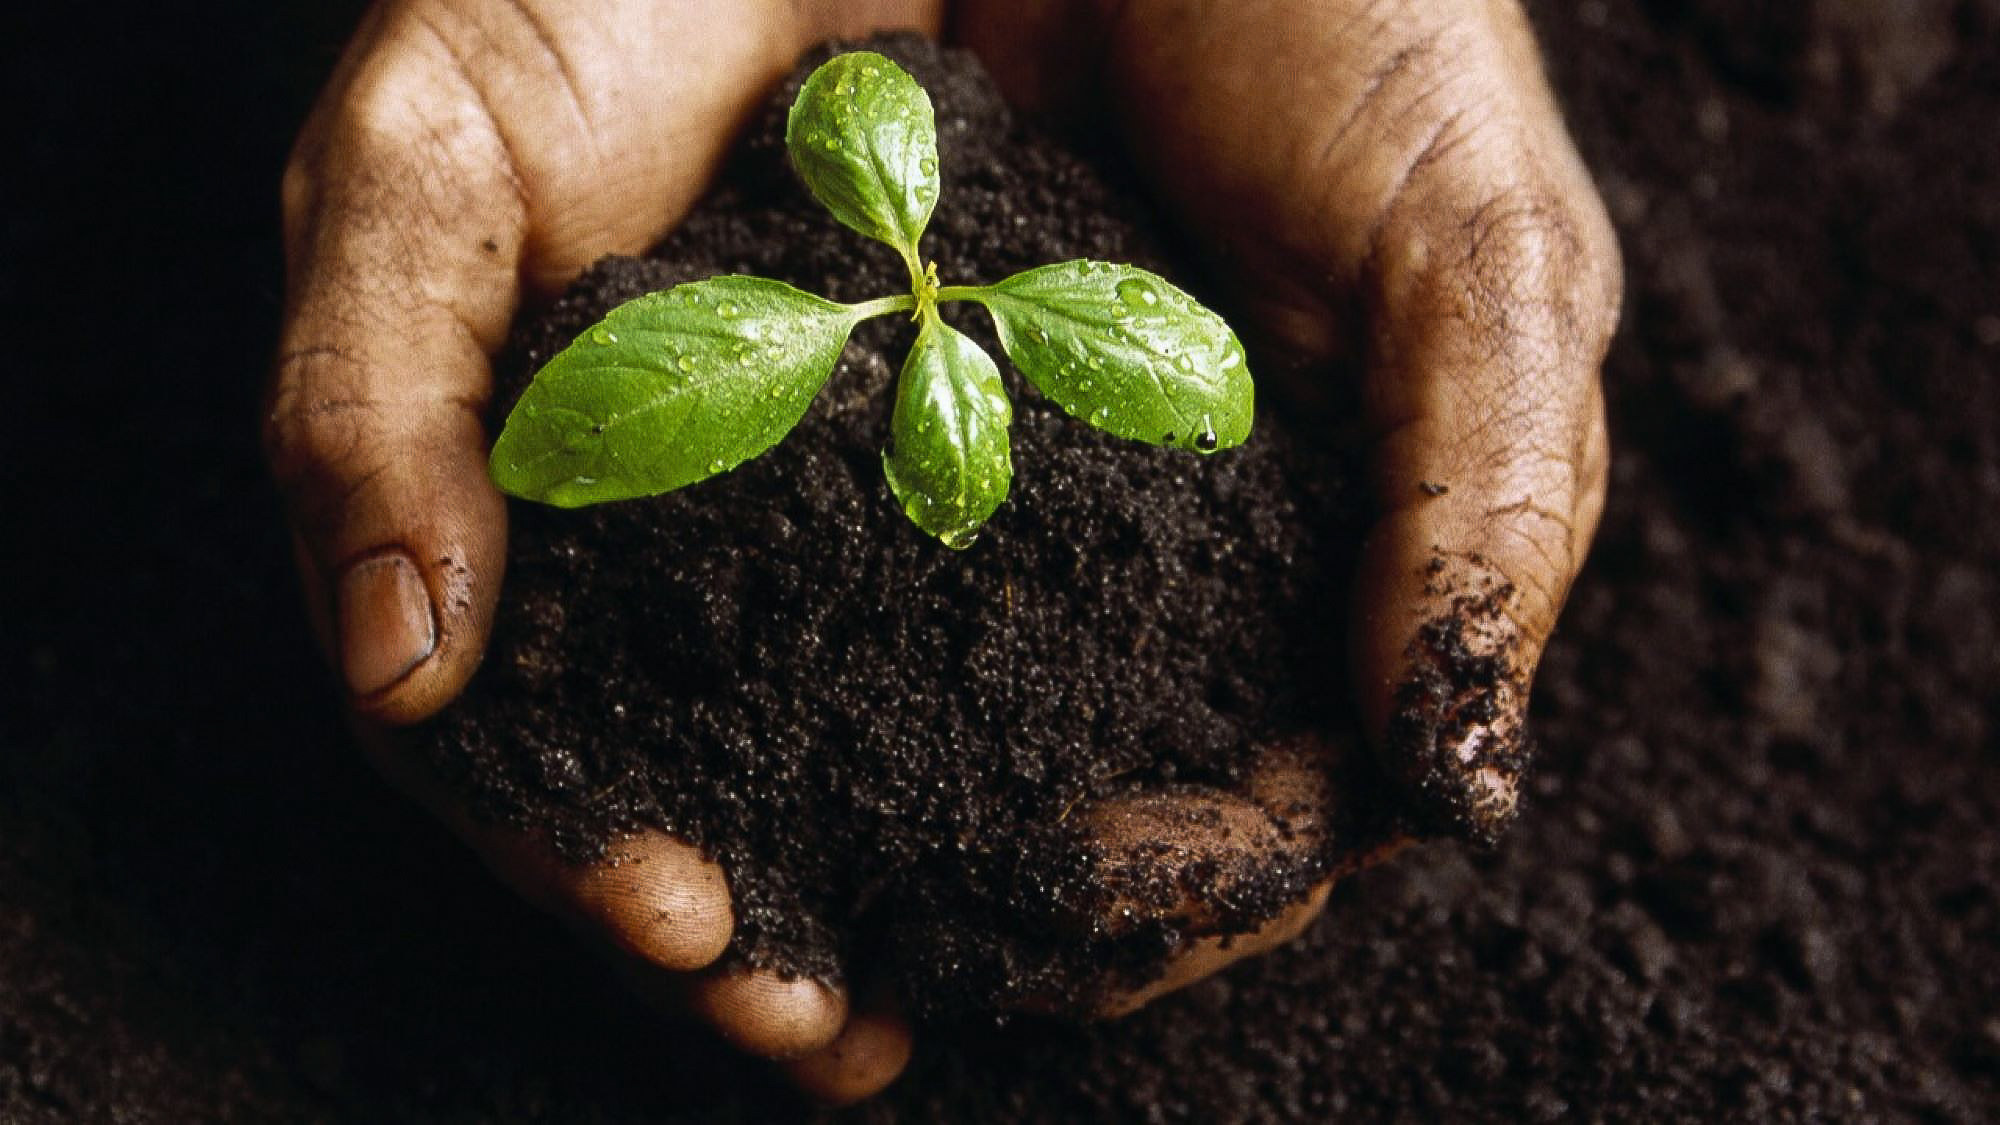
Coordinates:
column 386, row 624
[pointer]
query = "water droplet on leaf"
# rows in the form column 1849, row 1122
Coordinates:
column 1137, row 294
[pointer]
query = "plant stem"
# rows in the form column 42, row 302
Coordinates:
column 961, row 292
column 883, row 306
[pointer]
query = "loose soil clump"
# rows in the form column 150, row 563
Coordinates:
column 886, row 743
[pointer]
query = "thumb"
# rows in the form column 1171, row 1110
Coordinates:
column 1492, row 315
column 403, row 229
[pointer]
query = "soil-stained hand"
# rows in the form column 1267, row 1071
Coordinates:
column 1385, row 185
column 1389, row 195
column 466, row 152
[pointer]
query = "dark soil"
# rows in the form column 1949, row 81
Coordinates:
column 880, row 739
column 1755, row 879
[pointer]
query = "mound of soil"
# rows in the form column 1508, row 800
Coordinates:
column 882, row 740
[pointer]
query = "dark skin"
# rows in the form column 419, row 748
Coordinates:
column 1385, row 189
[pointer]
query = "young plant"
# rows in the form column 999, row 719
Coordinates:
column 677, row 386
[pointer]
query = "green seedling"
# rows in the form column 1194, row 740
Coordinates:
column 677, row 386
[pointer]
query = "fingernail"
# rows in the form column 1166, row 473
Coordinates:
column 386, row 624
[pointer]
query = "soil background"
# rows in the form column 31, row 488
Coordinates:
column 1756, row 878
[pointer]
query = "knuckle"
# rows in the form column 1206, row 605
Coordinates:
column 1531, row 271
column 318, row 421
column 410, row 120
column 380, row 120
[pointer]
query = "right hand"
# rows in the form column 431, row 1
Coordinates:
column 462, row 155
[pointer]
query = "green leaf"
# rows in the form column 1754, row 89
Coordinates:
column 948, row 464
column 1127, row 352
column 669, row 389
column 864, row 139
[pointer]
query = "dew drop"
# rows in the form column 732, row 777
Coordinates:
column 716, row 466
column 727, row 310
column 1101, row 415
column 1137, row 294
column 685, row 363
column 1206, row 441
column 604, row 336
column 927, row 166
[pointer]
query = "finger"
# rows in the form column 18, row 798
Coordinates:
column 1494, row 286
column 655, row 906
column 402, row 228
column 1197, row 857
column 1210, row 955
column 763, row 1013
column 651, row 899
column 869, row 1053
column 1233, row 875
column 661, row 910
